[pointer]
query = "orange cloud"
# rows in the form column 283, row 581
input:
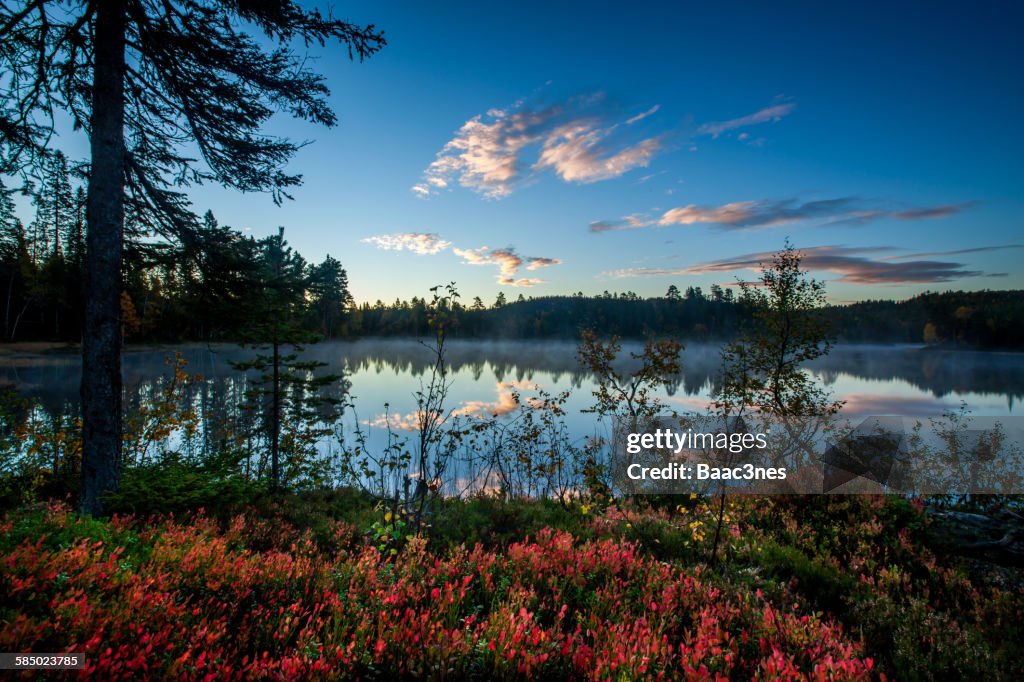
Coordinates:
column 854, row 265
column 504, row 404
column 765, row 213
column 488, row 153
column 508, row 262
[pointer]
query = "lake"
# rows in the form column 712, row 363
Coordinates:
column 873, row 379
column 381, row 377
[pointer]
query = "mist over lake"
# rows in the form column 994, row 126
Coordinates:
column 381, row 376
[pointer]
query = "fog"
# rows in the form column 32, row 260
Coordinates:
column 866, row 375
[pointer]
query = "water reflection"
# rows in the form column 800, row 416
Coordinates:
column 872, row 379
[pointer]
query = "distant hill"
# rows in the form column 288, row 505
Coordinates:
column 973, row 319
column 953, row 319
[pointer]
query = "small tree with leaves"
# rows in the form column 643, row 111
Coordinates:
column 626, row 394
column 422, row 465
column 431, row 457
column 763, row 371
column 621, row 392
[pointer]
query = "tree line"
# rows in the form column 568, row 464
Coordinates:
column 990, row 320
column 208, row 287
column 212, row 285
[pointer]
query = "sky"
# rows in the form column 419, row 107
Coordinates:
column 549, row 148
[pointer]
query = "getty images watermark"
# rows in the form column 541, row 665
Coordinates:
column 954, row 454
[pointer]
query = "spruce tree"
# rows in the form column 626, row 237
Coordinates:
column 286, row 391
column 13, row 258
column 328, row 288
column 152, row 82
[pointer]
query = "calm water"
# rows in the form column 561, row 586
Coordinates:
column 381, row 377
column 872, row 379
column 876, row 380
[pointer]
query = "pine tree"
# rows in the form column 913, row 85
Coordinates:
column 12, row 232
column 74, row 238
column 55, row 207
column 13, row 260
column 328, row 287
column 287, row 390
column 215, row 266
column 152, row 82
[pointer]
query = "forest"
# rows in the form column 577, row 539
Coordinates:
column 249, row 526
column 207, row 288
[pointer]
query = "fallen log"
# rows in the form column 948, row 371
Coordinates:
column 997, row 539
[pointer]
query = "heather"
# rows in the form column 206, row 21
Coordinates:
column 494, row 546
column 309, row 586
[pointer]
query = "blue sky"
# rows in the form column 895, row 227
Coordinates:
column 548, row 148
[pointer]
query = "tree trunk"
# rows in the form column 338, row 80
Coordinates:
column 275, row 424
column 7, row 310
column 17, row 320
column 718, row 529
column 101, row 340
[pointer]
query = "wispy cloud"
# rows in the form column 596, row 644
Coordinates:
column 577, row 153
column 578, row 140
column 639, row 117
column 630, row 222
column 940, row 211
column 739, row 214
column 606, row 225
column 650, row 176
column 396, row 421
column 855, row 265
column 774, row 113
column 504, row 403
column 960, row 252
column 509, row 262
column 538, row 262
column 582, row 140
column 422, row 243
column 766, row 213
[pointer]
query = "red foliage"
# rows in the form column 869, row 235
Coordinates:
column 192, row 601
